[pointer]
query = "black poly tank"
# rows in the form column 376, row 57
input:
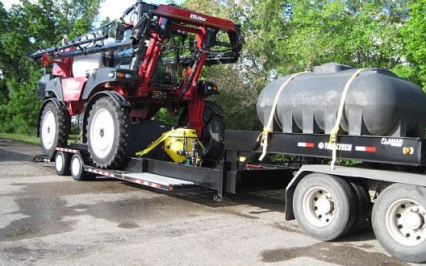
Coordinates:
column 377, row 103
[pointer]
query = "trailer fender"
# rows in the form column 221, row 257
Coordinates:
column 56, row 102
column 116, row 97
column 350, row 173
column 289, row 192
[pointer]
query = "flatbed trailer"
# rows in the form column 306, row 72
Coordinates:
column 385, row 182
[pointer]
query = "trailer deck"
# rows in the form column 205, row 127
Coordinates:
column 229, row 174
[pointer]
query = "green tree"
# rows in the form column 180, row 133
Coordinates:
column 413, row 37
column 46, row 21
column 287, row 36
column 4, row 18
column 357, row 33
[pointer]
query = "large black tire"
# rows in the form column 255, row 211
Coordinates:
column 398, row 219
column 324, row 206
column 55, row 125
column 213, row 133
column 108, row 133
column 363, row 206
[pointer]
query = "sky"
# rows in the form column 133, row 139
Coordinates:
column 109, row 8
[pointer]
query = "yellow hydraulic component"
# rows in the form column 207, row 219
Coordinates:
column 179, row 140
column 178, row 143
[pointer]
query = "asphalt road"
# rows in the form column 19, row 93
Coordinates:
column 52, row 220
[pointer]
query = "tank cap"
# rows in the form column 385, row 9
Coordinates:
column 330, row 68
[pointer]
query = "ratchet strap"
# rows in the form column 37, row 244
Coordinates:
column 333, row 135
column 268, row 128
column 155, row 143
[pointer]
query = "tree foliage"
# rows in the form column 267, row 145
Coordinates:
column 46, row 21
column 413, row 37
column 287, row 36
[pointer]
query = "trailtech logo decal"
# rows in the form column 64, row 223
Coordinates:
column 340, row 146
column 200, row 18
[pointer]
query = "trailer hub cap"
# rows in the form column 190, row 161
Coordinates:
column 102, row 133
column 48, row 130
column 59, row 162
column 324, row 205
column 413, row 220
column 405, row 221
column 318, row 206
column 75, row 167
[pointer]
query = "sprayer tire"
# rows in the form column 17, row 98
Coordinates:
column 55, row 126
column 213, row 133
column 108, row 132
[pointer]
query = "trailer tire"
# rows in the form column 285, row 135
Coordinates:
column 62, row 163
column 213, row 133
column 77, row 169
column 55, row 125
column 324, row 206
column 363, row 211
column 398, row 219
column 108, row 133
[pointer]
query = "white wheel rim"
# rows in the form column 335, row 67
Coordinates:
column 59, row 162
column 102, row 133
column 405, row 222
column 75, row 166
column 48, row 130
column 318, row 207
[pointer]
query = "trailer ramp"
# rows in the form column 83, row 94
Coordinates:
column 156, row 181
column 145, row 179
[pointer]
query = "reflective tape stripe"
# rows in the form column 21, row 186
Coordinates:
column 365, row 149
column 101, row 172
column 146, row 183
column 66, row 150
column 306, row 144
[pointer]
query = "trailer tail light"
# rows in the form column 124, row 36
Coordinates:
column 408, row 150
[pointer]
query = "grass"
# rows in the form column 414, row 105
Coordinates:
column 33, row 140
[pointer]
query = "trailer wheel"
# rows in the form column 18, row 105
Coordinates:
column 54, row 128
column 213, row 132
column 77, row 169
column 324, row 206
column 108, row 131
column 363, row 211
column 399, row 221
column 62, row 163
